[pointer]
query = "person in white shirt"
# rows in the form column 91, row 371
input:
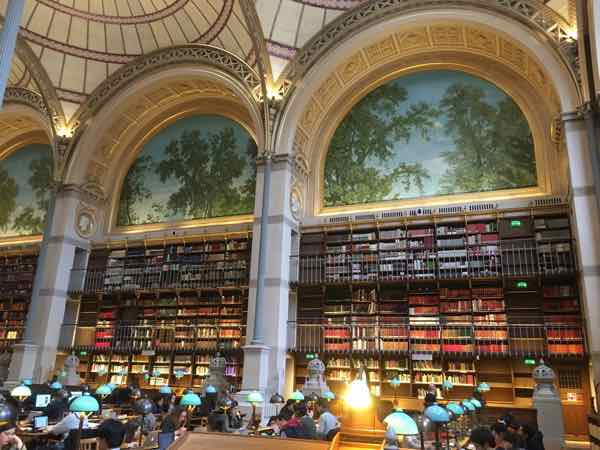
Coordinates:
column 327, row 421
column 70, row 422
column 111, row 434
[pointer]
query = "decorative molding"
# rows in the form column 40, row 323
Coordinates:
column 30, row 98
column 532, row 13
column 254, row 28
column 85, row 220
column 189, row 53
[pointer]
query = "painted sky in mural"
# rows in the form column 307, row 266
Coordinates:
column 197, row 168
column 429, row 133
column 25, row 178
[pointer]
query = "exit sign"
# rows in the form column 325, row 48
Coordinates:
column 522, row 284
column 529, row 361
column 515, row 223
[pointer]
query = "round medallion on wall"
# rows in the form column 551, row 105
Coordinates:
column 85, row 223
column 296, row 204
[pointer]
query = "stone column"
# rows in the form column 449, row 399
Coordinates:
column 8, row 41
column 584, row 188
column 265, row 361
column 546, row 401
column 35, row 356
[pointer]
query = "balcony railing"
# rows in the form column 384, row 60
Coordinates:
column 487, row 341
column 156, row 336
column 159, row 276
column 514, row 258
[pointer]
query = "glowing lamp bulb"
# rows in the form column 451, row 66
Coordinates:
column 358, row 395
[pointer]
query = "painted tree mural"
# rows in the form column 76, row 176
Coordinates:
column 200, row 167
column 25, row 189
column 425, row 134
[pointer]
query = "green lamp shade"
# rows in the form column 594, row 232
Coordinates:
column 21, row 391
column 84, row 404
column 455, row 408
column 255, row 397
column 56, row 386
column 437, row 414
column 483, row 387
column 297, row 396
column 112, row 386
column 190, row 399
column 27, row 381
column 447, row 385
column 166, row 390
column 103, row 390
column 211, row 389
column 468, row 405
column 401, row 423
column 476, row 403
column 329, row 395
column 395, row 382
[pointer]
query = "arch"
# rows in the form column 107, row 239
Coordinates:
column 490, row 37
column 108, row 141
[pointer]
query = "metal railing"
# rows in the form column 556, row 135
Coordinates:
column 470, row 340
column 157, row 336
column 514, row 258
column 160, row 276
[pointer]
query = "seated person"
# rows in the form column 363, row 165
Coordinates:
column 218, row 420
column 68, row 423
column 289, row 428
column 111, row 433
column 57, row 408
column 133, row 433
column 308, row 427
column 482, row 438
column 172, row 427
column 327, row 421
column 8, row 439
column 236, row 418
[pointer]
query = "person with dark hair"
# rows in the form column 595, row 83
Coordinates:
column 482, row 438
column 289, row 428
column 58, row 406
column 8, row 427
column 307, row 424
column 133, row 431
column 327, row 421
column 505, row 440
column 218, row 420
column 172, row 427
column 288, row 409
column 514, row 427
column 534, row 440
column 430, row 396
column 111, row 433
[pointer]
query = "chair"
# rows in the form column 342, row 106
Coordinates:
column 88, row 444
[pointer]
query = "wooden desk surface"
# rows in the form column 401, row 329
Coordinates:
column 210, row 441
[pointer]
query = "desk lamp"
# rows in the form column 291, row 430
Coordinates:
column 469, row 410
column 190, row 401
column 398, row 423
column 277, row 400
column 165, row 390
column 210, row 389
column 329, row 396
column 83, row 406
column 438, row 416
column 55, row 386
column 297, row 396
column 103, row 391
column 457, row 412
column 20, row 393
column 254, row 398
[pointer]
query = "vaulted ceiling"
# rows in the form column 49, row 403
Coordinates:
column 80, row 43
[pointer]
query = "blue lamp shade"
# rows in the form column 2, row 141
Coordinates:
column 395, row 382
column 255, row 397
column 483, row 387
column 165, row 390
column 27, row 382
column 103, row 390
column 55, row 385
column 21, row 391
column 468, row 405
column 190, row 399
column 112, row 386
column 447, row 385
column 210, row 389
column 329, row 395
column 476, row 403
column 456, row 409
column 401, row 423
column 84, row 404
column 297, row 396
column 437, row 414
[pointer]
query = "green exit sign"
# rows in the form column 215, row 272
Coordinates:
column 310, row 356
column 82, row 353
column 515, row 223
column 529, row 361
column 522, row 284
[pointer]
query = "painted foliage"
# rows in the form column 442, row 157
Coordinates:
column 25, row 181
column 199, row 167
column 426, row 134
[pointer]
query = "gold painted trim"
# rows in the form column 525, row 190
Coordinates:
column 336, row 113
column 204, row 109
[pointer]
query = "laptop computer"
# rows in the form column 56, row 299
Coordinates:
column 42, row 400
column 40, row 423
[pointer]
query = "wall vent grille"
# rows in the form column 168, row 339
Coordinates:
column 450, row 209
column 391, row 214
column 483, row 207
column 365, row 217
column 340, row 219
column 420, row 212
column 552, row 201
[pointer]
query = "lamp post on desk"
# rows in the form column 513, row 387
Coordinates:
column 254, row 398
column 190, row 401
column 20, row 393
column 398, row 424
column 83, row 406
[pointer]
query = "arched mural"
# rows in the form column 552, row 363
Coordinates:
column 426, row 134
column 200, row 167
column 25, row 181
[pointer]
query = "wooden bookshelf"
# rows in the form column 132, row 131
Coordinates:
column 17, row 272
